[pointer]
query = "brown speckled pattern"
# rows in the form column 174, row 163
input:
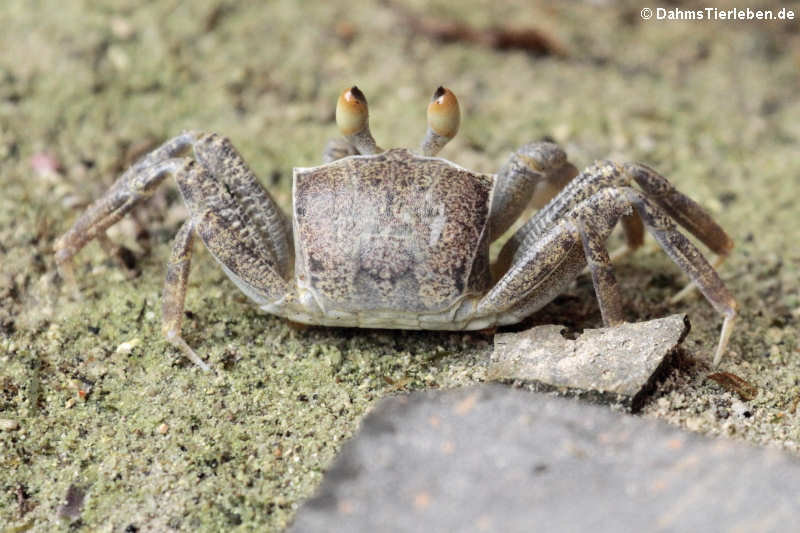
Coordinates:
column 265, row 229
column 230, row 233
column 391, row 231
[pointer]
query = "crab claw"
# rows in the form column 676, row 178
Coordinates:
column 352, row 117
column 444, row 117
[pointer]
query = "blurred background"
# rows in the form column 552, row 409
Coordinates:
column 87, row 87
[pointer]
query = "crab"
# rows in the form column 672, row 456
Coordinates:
column 397, row 239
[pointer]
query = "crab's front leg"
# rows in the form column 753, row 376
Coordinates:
column 236, row 219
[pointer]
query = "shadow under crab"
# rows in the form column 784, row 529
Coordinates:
column 392, row 239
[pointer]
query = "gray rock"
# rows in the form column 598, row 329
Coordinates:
column 618, row 364
column 493, row 458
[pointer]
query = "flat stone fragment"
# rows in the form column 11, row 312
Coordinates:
column 494, row 458
column 617, row 364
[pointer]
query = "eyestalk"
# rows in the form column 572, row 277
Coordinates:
column 444, row 117
column 352, row 117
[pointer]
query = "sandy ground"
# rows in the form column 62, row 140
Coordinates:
column 93, row 402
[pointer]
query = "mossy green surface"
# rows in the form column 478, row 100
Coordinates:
column 92, row 397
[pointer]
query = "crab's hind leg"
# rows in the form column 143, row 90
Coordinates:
column 598, row 176
column 685, row 211
column 137, row 183
column 236, row 218
column 544, row 266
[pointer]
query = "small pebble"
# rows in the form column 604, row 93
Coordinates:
column 6, row 424
column 163, row 428
column 774, row 335
column 741, row 409
column 126, row 347
column 45, row 164
column 121, row 28
column 775, row 352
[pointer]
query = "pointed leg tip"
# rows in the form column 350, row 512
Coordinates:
column 177, row 341
column 724, row 337
column 194, row 358
column 67, row 274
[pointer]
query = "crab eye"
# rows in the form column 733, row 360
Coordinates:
column 351, row 111
column 444, row 115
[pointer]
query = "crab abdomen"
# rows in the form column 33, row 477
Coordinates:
column 392, row 232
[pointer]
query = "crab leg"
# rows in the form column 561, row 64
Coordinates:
column 541, row 268
column 264, row 225
column 336, row 149
column 229, row 227
column 598, row 176
column 175, row 292
column 604, row 174
column 535, row 173
column 685, row 211
column 136, row 184
column 141, row 180
column 238, row 221
column 680, row 208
